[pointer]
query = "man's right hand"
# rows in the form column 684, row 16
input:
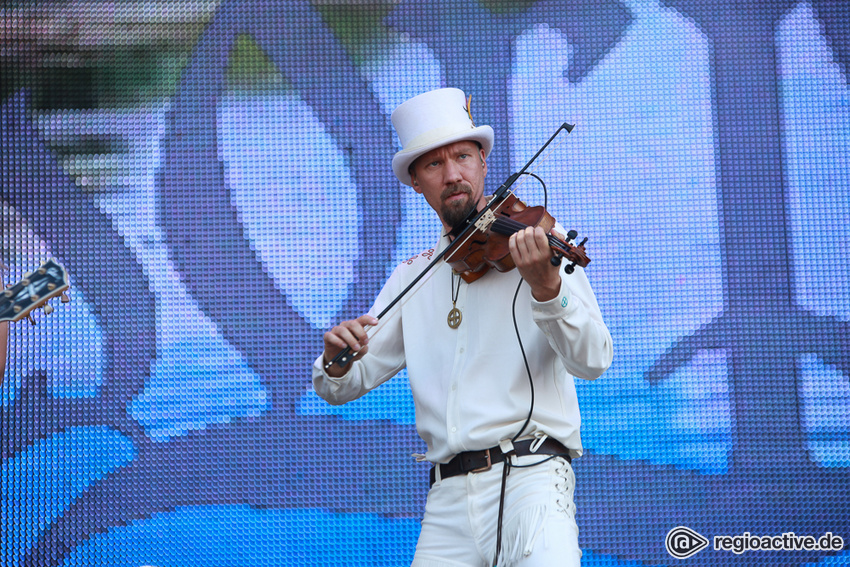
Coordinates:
column 351, row 333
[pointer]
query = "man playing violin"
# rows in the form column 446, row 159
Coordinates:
column 495, row 398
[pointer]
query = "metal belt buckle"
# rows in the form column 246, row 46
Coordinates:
column 486, row 467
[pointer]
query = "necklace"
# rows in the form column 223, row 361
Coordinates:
column 455, row 316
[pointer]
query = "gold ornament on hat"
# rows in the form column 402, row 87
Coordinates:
column 468, row 109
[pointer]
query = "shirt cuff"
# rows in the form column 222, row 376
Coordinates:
column 554, row 308
column 319, row 370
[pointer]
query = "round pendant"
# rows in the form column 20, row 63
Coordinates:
column 454, row 318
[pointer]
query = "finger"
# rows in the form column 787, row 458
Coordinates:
column 536, row 243
column 367, row 320
column 515, row 248
column 518, row 247
column 354, row 334
column 541, row 241
column 528, row 246
column 335, row 341
column 346, row 334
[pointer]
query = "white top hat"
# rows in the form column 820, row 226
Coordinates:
column 432, row 120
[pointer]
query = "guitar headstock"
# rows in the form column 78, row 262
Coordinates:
column 38, row 287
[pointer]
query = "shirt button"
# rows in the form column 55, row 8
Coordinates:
column 454, row 386
column 454, row 429
column 461, row 350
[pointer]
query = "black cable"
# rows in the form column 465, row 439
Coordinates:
column 545, row 193
column 525, row 361
column 506, row 467
column 516, row 327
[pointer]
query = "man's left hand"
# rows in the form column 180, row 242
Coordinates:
column 532, row 255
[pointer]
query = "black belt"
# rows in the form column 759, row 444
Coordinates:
column 480, row 461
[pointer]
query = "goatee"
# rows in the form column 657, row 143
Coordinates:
column 455, row 212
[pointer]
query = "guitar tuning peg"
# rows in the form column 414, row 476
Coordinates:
column 27, row 275
column 48, row 309
column 65, row 298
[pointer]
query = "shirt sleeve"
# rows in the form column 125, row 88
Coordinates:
column 384, row 359
column 572, row 322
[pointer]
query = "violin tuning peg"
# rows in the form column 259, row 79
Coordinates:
column 65, row 298
column 48, row 309
column 31, row 320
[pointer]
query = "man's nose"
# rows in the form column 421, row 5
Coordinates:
column 452, row 172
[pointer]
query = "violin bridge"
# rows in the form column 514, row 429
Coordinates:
column 488, row 218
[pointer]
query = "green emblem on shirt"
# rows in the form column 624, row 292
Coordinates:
column 564, row 301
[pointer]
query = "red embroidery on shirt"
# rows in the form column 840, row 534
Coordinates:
column 427, row 254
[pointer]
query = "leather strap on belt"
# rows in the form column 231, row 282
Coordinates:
column 480, row 461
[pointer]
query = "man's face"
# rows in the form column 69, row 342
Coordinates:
column 451, row 178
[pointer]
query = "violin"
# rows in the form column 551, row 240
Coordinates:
column 486, row 245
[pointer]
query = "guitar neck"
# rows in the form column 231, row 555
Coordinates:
column 36, row 288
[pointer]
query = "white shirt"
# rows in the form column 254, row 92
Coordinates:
column 470, row 385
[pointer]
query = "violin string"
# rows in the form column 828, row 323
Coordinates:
column 507, row 227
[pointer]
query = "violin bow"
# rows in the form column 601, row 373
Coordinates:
column 345, row 356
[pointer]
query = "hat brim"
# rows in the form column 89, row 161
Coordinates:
column 403, row 159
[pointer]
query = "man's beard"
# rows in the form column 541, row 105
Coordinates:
column 455, row 212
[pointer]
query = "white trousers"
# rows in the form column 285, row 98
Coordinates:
column 539, row 528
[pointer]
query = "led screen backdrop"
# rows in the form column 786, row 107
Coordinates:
column 215, row 177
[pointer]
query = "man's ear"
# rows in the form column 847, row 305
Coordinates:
column 483, row 159
column 415, row 183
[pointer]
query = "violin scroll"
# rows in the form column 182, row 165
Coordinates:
column 578, row 255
